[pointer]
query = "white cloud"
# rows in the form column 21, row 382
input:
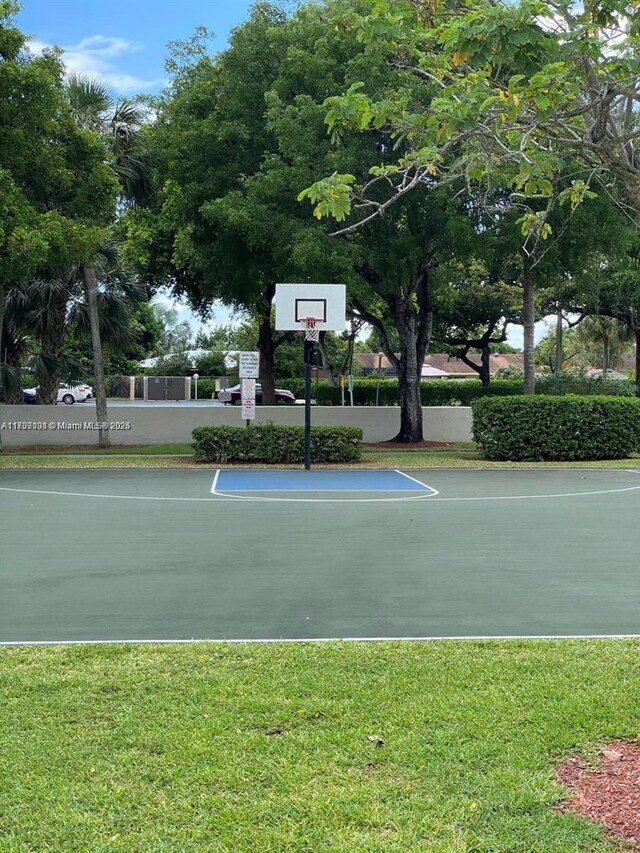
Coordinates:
column 96, row 56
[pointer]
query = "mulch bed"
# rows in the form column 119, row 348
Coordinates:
column 400, row 445
column 608, row 794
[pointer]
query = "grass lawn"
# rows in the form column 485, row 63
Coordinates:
column 266, row 749
column 462, row 455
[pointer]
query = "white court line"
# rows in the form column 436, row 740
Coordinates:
column 235, row 494
column 290, row 640
column 115, row 497
column 430, row 497
column 238, row 497
column 424, row 485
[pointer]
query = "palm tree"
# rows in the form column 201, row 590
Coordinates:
column 119, row 124
column 177, row 333
column 44, row 317
column 605, row 338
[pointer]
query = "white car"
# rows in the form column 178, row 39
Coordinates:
column 69, row 394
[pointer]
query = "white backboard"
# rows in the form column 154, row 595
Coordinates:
column 326, row 302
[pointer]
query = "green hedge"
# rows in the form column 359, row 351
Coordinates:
column 434, row 392
column 276, row 444
column 569, row 383
column 206, row 387
column 447, row 392
column 557, row 428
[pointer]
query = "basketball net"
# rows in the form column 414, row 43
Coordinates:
column 311, row 330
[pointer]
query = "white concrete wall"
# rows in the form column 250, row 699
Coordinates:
column 153, row 423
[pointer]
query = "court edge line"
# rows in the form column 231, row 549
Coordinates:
column 226, row 496
column 292, row 640
column 424, row 485
column 416, row 497
column 424, row 488
column 428, row 497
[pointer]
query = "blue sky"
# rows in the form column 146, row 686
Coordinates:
column 124, row 41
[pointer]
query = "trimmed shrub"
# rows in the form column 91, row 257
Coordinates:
column 537, row 428
column 447, row 392
column 116, row 386
column 296, row 386
column 569, row 383
column 434, row 392
column 440, row 392
column 276, row 444
column 206, row 388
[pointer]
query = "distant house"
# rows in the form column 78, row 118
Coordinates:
column 230, row 357
column 438, row 365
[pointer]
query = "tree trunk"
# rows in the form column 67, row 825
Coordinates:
column 324, row 357
column 91, row 294
column 409, row 374
column 13, row 390
column 528, row 324
column 559, row 343
column 485, row 366
column 267, row 348
column 52, row 341
column 1, row 331
column 410, row 411
column 606, row 357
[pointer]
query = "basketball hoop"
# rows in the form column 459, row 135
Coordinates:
column 311, row 329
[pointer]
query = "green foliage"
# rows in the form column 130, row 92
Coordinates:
column 547, row 428
column 276, row 444
column 206, row 389
column 174, row 364
column 331, row 196
column 575, row 383
column 446, row 392
column 509, row 372
column 434, row 392
column 211, row 364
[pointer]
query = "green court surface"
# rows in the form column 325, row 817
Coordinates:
column 129, row 555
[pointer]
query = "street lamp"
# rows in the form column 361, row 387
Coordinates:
column 380, row 354
column 196, row 376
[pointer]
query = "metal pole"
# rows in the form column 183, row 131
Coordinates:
column 308, row 358
column 378, row 383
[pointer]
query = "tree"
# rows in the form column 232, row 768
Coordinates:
column 615, row 290
column 475, row 309
column 574, row 357
column 57, row 191
column 210, row 134
column 29, row 89
column 117, row 124
column 606, row 340
column 176, row 334
column 507, row 97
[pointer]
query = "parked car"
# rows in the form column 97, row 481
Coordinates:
column 28, row 397
column 69, row 394
column 282, row 395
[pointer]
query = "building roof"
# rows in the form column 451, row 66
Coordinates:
column 441, row 364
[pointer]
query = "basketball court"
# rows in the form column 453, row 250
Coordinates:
column 257, row 554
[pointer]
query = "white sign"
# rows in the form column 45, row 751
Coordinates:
column 249, row 365
column 248, row 399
